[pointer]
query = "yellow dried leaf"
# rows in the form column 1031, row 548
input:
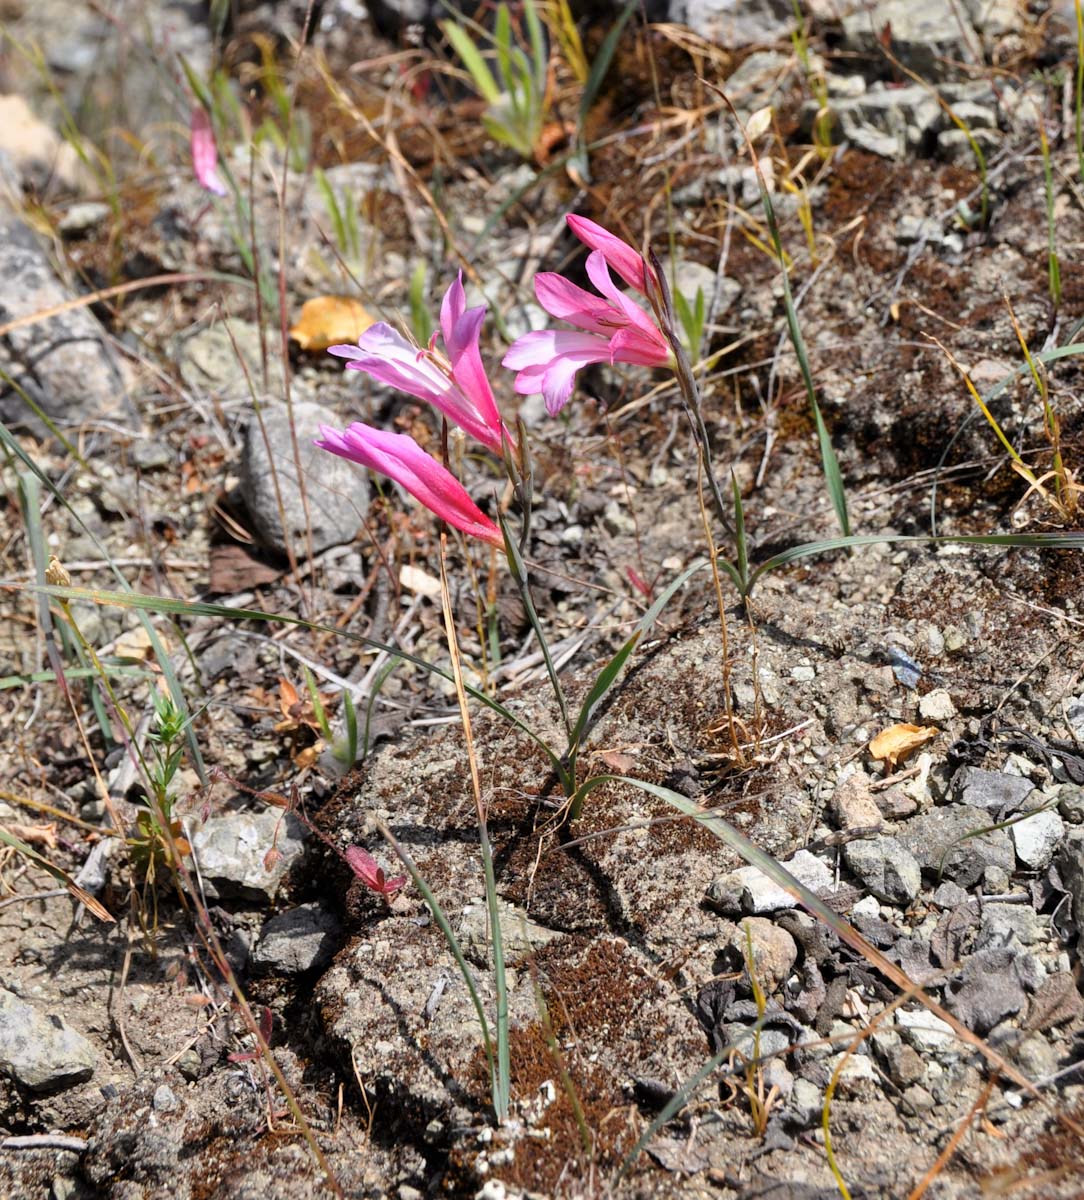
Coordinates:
column 893, row 744
column 328, row 321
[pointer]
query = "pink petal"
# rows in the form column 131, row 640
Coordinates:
column 618, row 253
column 452, row 308
column 399, row 456
column 567, row 302
column 543, row 345
column 630, row 312
column 204, row 151
column 558, row 382
column 633, row 346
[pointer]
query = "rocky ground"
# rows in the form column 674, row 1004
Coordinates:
column 149, row 445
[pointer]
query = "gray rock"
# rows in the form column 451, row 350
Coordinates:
column 234, row 853
column 337, row 490
column 806, row 1103
column 65, row 364
column 917, row 1100
column 521, row 935
column 1070, row 864
column 928, row 1034
column 152, row 456
column 945, row 840
column 992, row 790
column 852, row 805
column 891, row 123
column 936, row 706
column 82, row 218
column 164, row 1100
column 988, row 990
column 950, row 895
column 1036, row 1057
column 744, row 1040
column 1009, row 925
column 886, row 868
column 39, row 1051
column 1074, row 713
column 299, row 940
column 905, row 1065
column 924, row 32
column 750, row 891
column 735, row 23
column 1071, row 803
column 1037, row 837
column 227, row 359
column 954, row 145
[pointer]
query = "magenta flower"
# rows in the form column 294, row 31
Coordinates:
column 616, row 330
column 205, row 152
column 366, row 868
column 399, row 456
column 619, row 255
column 456, row 385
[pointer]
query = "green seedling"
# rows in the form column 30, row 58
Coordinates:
column 822, row 122
column 692, row 318
column 517, row 97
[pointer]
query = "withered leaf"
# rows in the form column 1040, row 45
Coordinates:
column 329, row 320
column 894, row 744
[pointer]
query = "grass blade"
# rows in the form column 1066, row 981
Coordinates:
column 202, row 608
column 609, row 673
column 779, row 875
column 445, row 928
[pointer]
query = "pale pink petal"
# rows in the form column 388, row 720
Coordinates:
column 567, row 302
column 204, row 151
column 626, row 261
column 545, row 344
column 388, row 357
column 630, row 312
column 558, row 382
column 452, row 308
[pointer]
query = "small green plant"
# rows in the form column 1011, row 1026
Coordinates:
column 761, row 1103
column 159, row 838
column 342, row 212
column 1064, row 498
column 822, row 122
column 1079, row 104
column 421, row 320
column 1053, row 267
column 692, row 318
column 517, row 98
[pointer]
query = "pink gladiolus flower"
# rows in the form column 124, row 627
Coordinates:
column 616, row 330
column 399, row 456
column 365, row 867
column 619, row 255
column 456, row 386
column 205, row 152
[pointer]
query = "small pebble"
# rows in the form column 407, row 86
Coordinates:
column 164, row 1100
column 1071, row 803
column 852, row 805
column 936, row 706
column 917, row 1100
column 905, row 1065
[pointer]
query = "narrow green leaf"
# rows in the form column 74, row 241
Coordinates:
column 201, row 608
column 452, row 941
column 595, row 79
column 741, row 545
column 519, row 574
column 1042, row 541
column 472, row 59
